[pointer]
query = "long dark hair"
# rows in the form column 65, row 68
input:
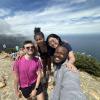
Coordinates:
column 54, row 36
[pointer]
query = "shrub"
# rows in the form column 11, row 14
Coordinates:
column 9, row 50
column 88, row 64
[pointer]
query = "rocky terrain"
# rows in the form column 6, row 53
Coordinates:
column 90, row 84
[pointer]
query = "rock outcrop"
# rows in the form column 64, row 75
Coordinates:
column 90, row 84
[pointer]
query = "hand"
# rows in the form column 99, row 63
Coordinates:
column 19, row 57
column 20, row 54
column 71, row 67
column 33, row 93
column 19, row 94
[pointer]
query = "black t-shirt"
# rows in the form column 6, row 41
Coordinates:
column 67, row 46
column 44, row 54
column 51, row 50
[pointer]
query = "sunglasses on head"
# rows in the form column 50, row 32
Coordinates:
column 30, row 47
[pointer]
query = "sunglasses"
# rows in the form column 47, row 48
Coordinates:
column 30, row 47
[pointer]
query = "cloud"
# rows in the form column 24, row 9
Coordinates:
column 4, row 12
column 54, row 19
column 5, row 28
column 77, row 1
column 67, row 2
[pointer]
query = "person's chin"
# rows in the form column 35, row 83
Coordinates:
column 53, row 47
column 30, row 53
column 57, row 61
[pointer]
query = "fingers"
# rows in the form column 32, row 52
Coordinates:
column 19, row 94
column 71, row 67
column 33, row 93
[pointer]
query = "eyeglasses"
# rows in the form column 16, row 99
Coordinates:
column 30, row 47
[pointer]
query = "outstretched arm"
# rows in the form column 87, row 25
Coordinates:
column 71, row 57
column 71, row 61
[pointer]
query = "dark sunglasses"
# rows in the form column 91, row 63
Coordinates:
column 30, row 47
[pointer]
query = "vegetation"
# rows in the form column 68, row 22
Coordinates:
column 9, row 50
column 88, row 64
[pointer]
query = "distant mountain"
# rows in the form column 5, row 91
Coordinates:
column 11, row 41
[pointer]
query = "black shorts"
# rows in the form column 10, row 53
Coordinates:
column 27, row 90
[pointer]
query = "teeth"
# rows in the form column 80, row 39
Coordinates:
column 57, row 58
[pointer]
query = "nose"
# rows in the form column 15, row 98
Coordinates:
column 56, row 54
column 52, row 44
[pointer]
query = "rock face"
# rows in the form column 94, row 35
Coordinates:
column 90, row 85
column 2, row 82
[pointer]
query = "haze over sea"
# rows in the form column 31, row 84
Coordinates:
column 85, row 43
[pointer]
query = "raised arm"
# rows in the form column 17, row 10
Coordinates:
column 71, row 57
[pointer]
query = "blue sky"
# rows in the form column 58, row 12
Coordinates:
column 53, row 16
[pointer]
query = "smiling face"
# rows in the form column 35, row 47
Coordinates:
column 53, row 42
column 60, row 54
column 29, row 49
column 39, row 39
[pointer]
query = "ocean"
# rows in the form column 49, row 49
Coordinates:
column 85, row 43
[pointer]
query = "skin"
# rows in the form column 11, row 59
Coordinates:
column 29, row 54
column 54, row 43
column 60, row 54
column 40, row 42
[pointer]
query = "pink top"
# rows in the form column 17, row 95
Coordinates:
column 27, row 70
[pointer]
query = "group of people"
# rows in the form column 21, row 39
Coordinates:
column 33, row 66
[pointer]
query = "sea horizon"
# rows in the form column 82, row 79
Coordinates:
column 84, row 43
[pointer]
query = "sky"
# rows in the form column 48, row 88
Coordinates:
column 53, row 16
